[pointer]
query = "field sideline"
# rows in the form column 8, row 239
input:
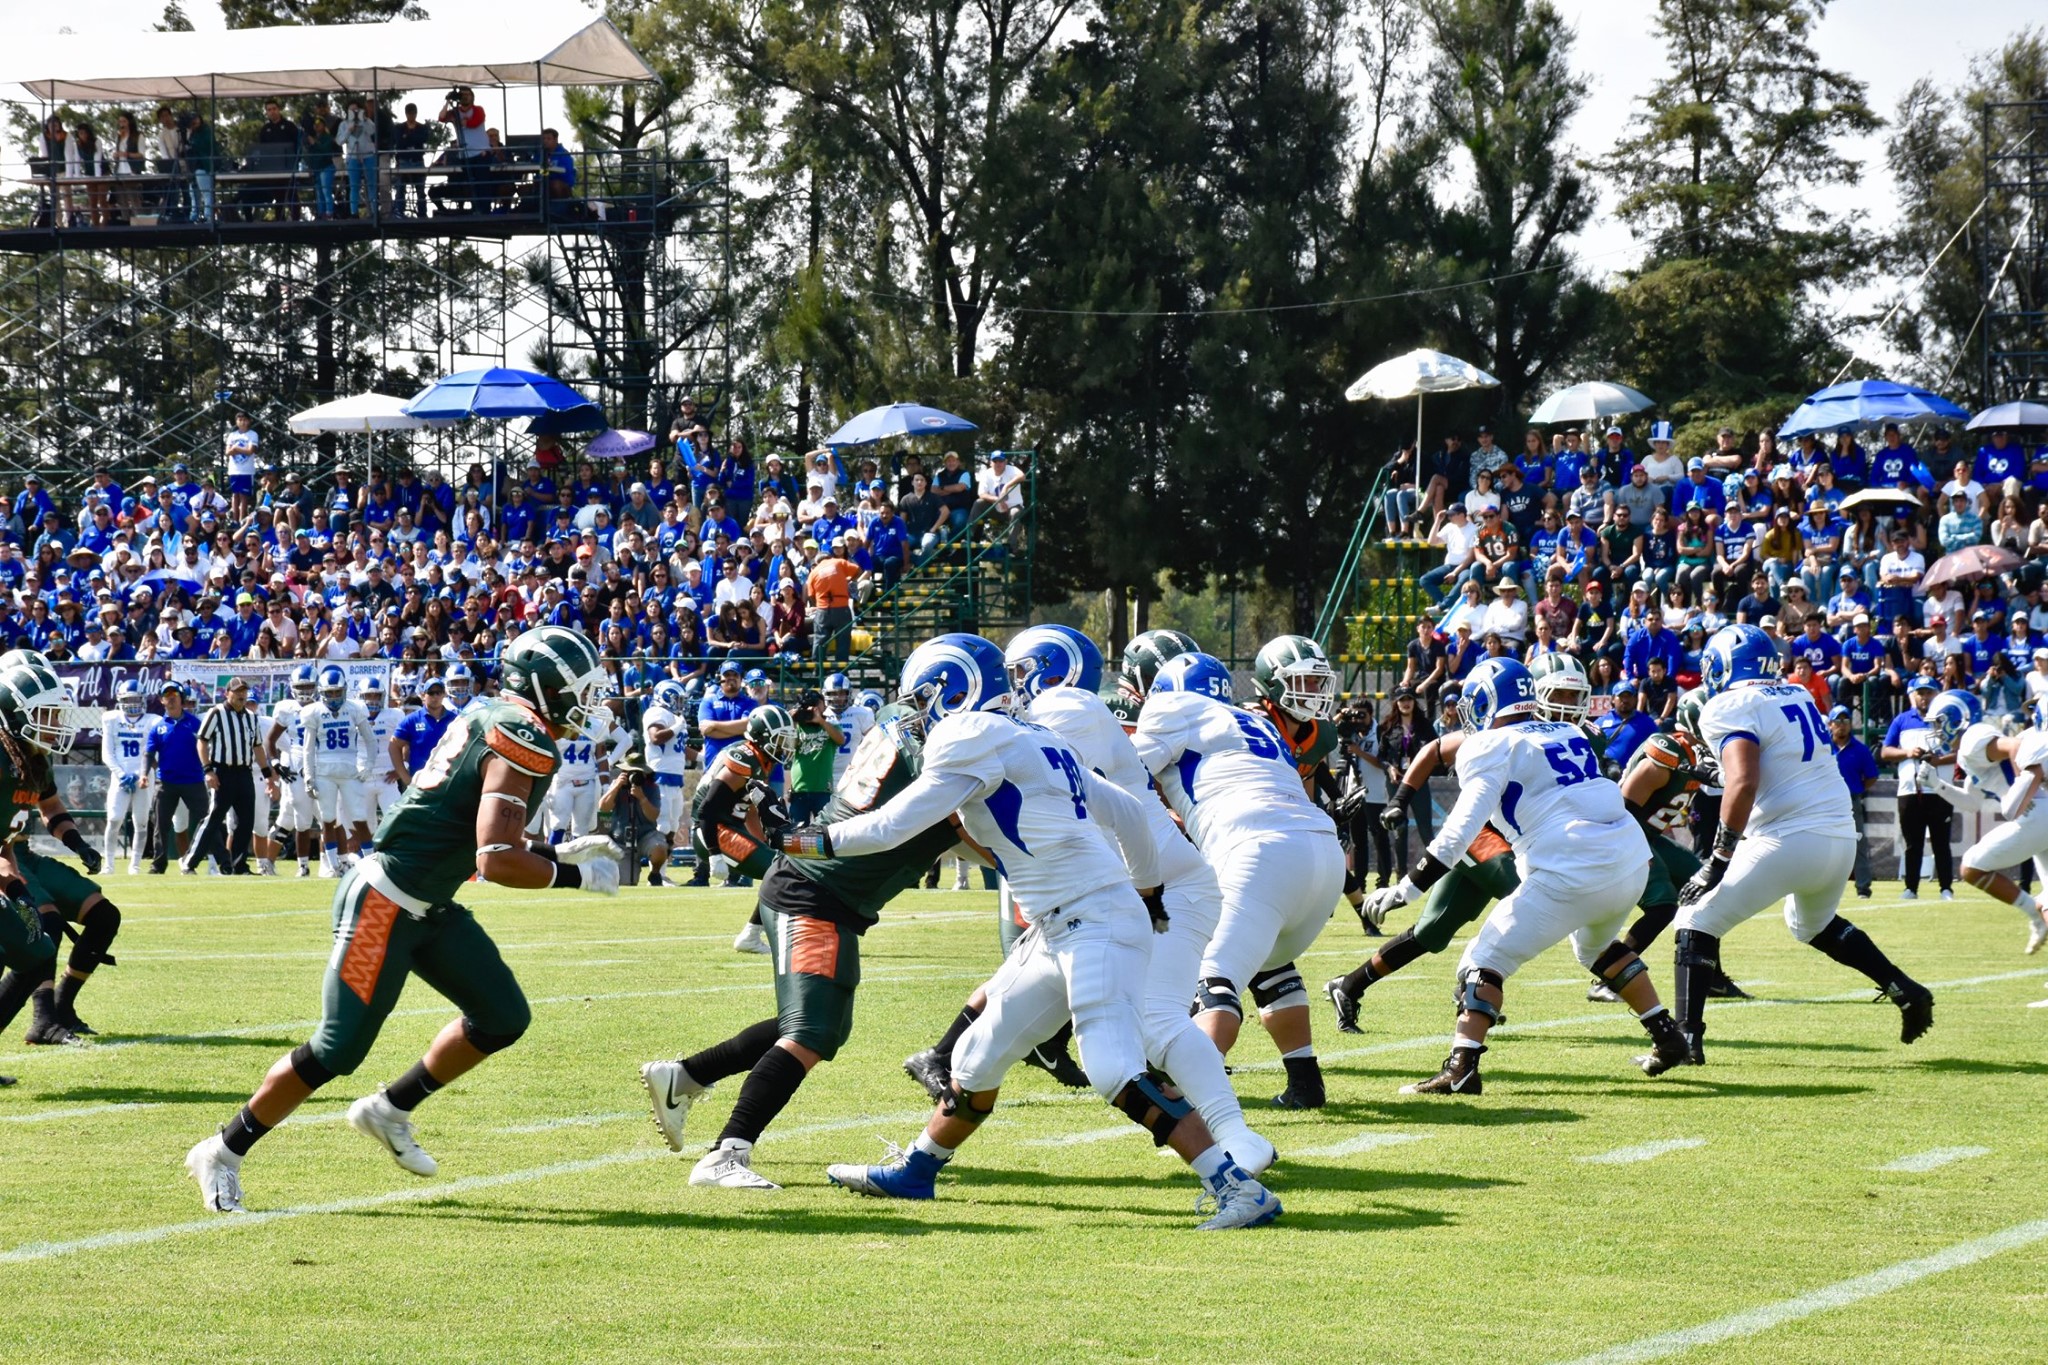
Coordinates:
column 1575, row 1210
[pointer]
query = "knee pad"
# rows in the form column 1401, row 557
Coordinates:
column 1217, row 993
column 955, row 1105
column 1149, row 1106
column 1279, row 988
column 488, row 1043
column 1698, row 949
column 54, row 927
column 1468, row 996
column 309, row 1068
column 1604, row 966
column 95, row 935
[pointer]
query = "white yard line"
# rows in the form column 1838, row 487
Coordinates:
column 1364, row 1142
column 1648, row 1151
column 573, row 1121
column 1838, row 1295
column 1091, row 1135
column 1932, row 1160
column 83, row 1111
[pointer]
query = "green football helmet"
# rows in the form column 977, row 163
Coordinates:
column 35, row 706
column 1146, row 654
column 1563, row 691
column 559, row 673
column 35, row 657
column 1124, row 707
column 1293, row 673
column 1686, row 719
column 773, row 731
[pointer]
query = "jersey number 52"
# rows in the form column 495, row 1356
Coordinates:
column 1573, row 761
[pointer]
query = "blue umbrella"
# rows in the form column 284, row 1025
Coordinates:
column 1867, row 403
column 897, row 419
column 588, row 417
column 498, row 393
column 2011, row 415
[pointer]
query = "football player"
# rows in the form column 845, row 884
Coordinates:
column 338, row 743
column 1787, row 833
column 395, row 912
column 284, row 746
column 572, row 800
column 1296, row 690
column 463, row 694
column 1025, row 796
column 122, row 732
column 380, row 793
column 37, row 722
column 2002, row 777
column 1582, row 863
column 666, row 740
column 853, row 718
column 736, row 803
column 815, row 911
column 1237, row 788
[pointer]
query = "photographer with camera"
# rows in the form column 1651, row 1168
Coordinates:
column 633, row 801
column 461, row 109
column 817, row 749
column 1357, row 812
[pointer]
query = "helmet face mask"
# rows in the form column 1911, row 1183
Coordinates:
column 333, row 687
column 131, row 701
column 37, row 707
column 838, row 691
column 305, row 685
column 774, row 732
column 559, row 674
column 1950, row 714
column 1294, row 674
column 1495, row 690
column 1563, row 692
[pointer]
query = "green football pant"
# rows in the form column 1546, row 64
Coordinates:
column 817, row 971
column 51, row 882
column 378, row 943
column 1462, row 896
column 24, row 946
column 1671, row 867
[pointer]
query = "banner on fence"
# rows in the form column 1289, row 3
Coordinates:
column 206, row 680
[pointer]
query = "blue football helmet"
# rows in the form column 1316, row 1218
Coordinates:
column 671, row 696
column 838, row 690
column 1494, row 690
column 954, row 672
column 306, row 684
column 333, row 686
column 1737, row 654
column 461, row 685
column 128, row 696
column 1196, row 672
column 1051, row 656
column 872, row 700
column 1951, row 713
column 370, row 692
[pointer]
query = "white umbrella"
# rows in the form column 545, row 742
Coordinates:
column 1419, row 372
column 360, row 412
column 1585, row 402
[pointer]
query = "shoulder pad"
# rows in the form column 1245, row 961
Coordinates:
column 521, row 743
column 1666, row 751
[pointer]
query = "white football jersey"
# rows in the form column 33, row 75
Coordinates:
column 856, row 720
column 673, row 757
column 1226, row 773
column 291, row 741
column 1997, row 776
column 1800, row 788
column 338, row 741
column 1539, row 783
column 581, row 755
column 1029, row 807
column 383, row 728
column 121, row 741
column 1088, row 726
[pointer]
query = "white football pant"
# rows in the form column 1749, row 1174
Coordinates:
column 1545, row 909
column 1279, row 890
column 1809, row 872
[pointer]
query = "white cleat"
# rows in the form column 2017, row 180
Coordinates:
column 1240, row 1202
column 328, row 872
column 266, row 867
column 2037, row 933
column 751, row 940
column 1948, row 895
column 670, row 1093
column 135, row 869
column 376, row 1117
column 219, row 1173
column 729, row 1166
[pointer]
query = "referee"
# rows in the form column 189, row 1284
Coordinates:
column 228, row 749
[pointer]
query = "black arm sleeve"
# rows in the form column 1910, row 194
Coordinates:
column 1428, row 871
column 716, row 810
column 1325, row 784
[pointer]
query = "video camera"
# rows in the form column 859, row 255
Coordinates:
column 807, row 708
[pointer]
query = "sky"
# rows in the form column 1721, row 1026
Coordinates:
column 1888, row 44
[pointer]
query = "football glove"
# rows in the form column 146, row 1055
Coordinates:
column 90, row 857
column 1345, row 808
column 128, row 782
column 601, row 878
column 591, row 848
column 1395, row 813
column 1155, row 906
column 1706, row 879
column 805, row 841
column 1375, row 908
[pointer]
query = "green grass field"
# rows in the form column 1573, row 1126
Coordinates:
column 1416, row 1229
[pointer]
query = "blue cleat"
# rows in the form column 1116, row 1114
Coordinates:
column 903, row 1175
column 1238, row 1200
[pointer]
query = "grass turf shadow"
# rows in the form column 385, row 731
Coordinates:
column 867, row 1219
column 142, row 1094
column 1407, row 1110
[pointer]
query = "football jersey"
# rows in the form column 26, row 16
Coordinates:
column 383, row 728
column 742, row 757
column 580, row 756
column 1539, row 783
column 1029, row 808
column 673, row 758
column 1994, row 777
column 1800, row 788
column 291, row 740
column 338, row 740
column 121, row 742
column 1309, row 741
column 427, row 842
column 855, row 721
column 1227, row 773
column 1088, row 726
column 22, row 791
column 1680, row 778
column 883, row 764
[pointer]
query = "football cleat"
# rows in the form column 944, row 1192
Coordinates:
column 1719, row 987
column 1668, row 1046
column 1947, row 894
column 1916, row 1009
column 728, row 1166
column 670, row 1092
column 376, row 1117
column 6, row 1081
column 1602, row 993
column 1346, row 1007
column 1909, row 894
column 1460, row 1075
column 1239, row 1201
column 219, row 1173
column 929, row 1069
column 1060, row 1065
column 751, row 940
column 902, row 1175
column 77, row 1025
column 2037, row 933
column 50, row 1033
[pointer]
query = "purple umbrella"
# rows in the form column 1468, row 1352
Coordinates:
column 618, row 444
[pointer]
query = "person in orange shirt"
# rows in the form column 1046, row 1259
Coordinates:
column 831, row 592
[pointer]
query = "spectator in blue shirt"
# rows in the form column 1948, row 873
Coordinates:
column 170, row 755
column 561, row 167
column 889, row 543
column 1849, row 461
column 1998, row 459
column 1698, row 487
column 1653, row 641
column 1862, row 664
column 1859, row 770
column 1980, row 646
column 33, row 503
column 1852, row 601
column 1816, row 646
column 718, row 712
column 1625, row 727
column 419, row 732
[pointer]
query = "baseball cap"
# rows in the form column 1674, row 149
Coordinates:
column 1695, row 463
column 1861, row 618
column 1838, row 713
column 1982, row 614
column 1923, row 683
column 1621, row 689
column 1614, row 431
column 1459, row 509
column 729, row 666
column 1574, row 514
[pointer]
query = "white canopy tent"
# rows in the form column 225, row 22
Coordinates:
column 568, row 46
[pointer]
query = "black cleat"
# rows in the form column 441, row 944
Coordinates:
column 1295, row 1097
column 77, row 1025
column 1719, row 987
column 1059, row 1065
column 930, row 1070
column 1916, row 1009
column 52, row 1034
column 1602, row 993
column 9, row 1080
column 1668, row 1046
column 1460, row 1075
column 1347, row 1008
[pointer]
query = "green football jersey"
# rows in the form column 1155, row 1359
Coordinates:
column 752, row 764
column 1309, row 742
column 1677, row 762
column 21, row 794
column 428, row 841
column 887, row 760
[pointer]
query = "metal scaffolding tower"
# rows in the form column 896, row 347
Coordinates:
column 2014, row 252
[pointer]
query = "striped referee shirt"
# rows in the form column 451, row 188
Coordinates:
column 230, row 736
